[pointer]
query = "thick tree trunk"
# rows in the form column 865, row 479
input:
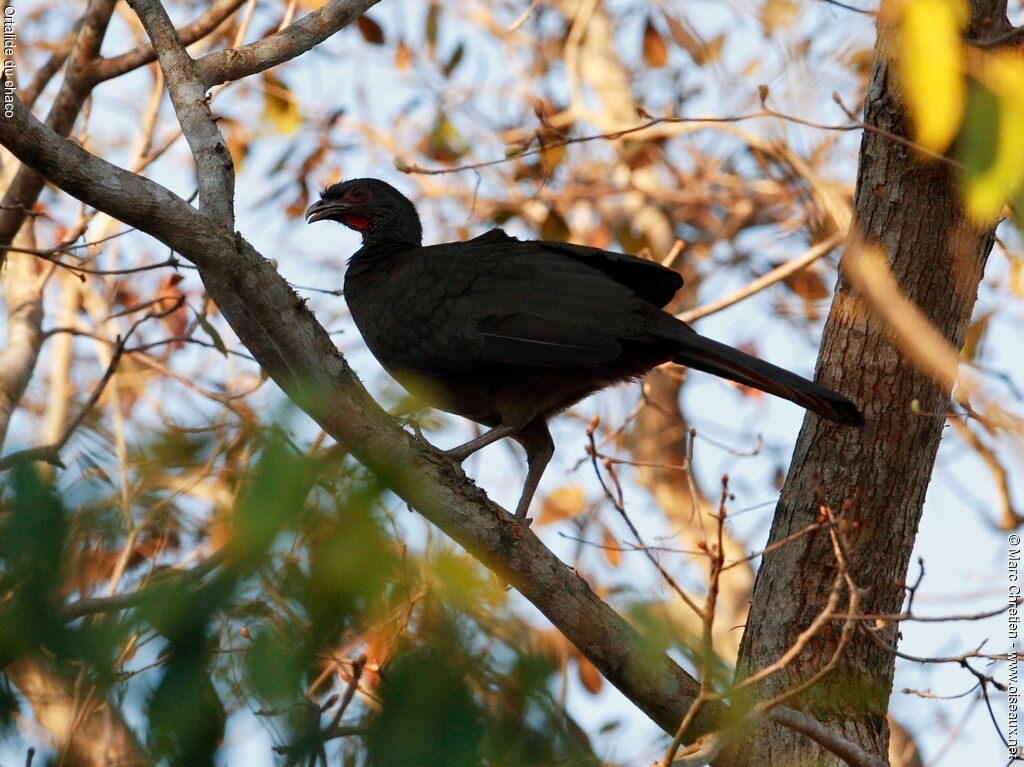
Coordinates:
column 874, row 479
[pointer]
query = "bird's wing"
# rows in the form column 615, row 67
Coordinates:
column 649, row 280
column 521, row 303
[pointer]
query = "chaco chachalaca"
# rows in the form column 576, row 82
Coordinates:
column 510, row 333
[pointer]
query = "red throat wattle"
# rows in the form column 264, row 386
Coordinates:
column 359, row 223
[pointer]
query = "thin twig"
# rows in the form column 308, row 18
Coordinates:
column 777, row 274
column 93, row 606
column 51, row 453
column 616, row 499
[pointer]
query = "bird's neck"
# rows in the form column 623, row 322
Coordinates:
column 375, row 256
column 400, row 230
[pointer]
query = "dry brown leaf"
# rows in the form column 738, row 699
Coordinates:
column 590, row 677
column 564, row 503
column 655, row 49
column 612, row 550
column 403, row 56
column 370, row 30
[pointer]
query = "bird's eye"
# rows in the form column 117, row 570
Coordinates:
column 358, row 193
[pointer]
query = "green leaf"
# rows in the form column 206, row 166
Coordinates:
column 274, row 497
column 428, row 714
column 211, row 331
column 33, row 530
column 993, row 139
column 186, row 714
column 454, row 60
column 433, row 16
column 275, row 664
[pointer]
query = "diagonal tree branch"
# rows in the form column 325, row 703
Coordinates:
column 298, row 353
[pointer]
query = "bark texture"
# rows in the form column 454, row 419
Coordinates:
column 875, row 478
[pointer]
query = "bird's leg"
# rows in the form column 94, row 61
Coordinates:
column 536, row 440
column 462, row 452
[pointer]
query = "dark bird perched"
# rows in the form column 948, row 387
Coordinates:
column 509, row 333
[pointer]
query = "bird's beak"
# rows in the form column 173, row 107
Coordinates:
column 322, row 209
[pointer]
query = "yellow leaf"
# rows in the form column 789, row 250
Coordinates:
column 552, row 156
column 403, row 56
column 433, row 18
column 989, row 190
column 1016, row 278
column 931, row 69
column 554, row 228
column 444, row 143
column 778, row 14
column 280, row 106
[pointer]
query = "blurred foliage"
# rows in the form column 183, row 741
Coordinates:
column 955, row 90
column 315, row 618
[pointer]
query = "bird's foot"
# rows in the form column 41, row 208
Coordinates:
column 523, row 521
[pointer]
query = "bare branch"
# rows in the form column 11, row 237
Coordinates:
column 22, row 291
column 97, row 605
column 212, row 17
column 214, row 167
column 50, row 67
column 777, row 274
column 310, row 30
column 51, row 453
column 845, row 749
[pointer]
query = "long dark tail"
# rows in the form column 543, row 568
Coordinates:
column 696, row 351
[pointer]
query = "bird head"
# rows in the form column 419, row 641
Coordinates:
column 378, row 211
